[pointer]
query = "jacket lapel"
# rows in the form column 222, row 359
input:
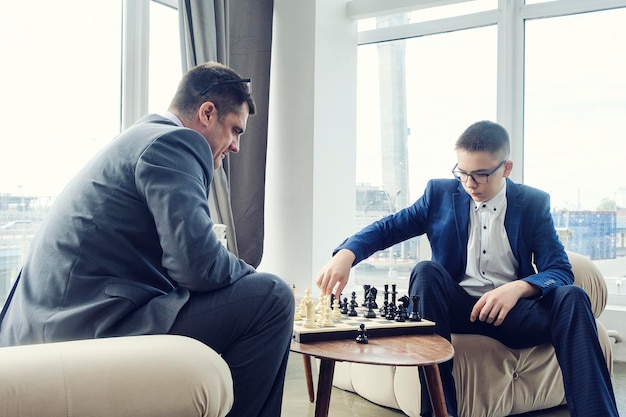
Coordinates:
column 460, row 202
column 513, row 217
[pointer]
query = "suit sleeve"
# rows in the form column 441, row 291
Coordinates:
column 550, row 259
column 386, row 232
column 173, row 176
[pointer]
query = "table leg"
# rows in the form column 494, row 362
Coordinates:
column 308, row 375
column 435, row 390
column 324, row 387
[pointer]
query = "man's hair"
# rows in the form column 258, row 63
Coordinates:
column 212, row 82
column 485, row 136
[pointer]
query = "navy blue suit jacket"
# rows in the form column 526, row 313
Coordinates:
column 442, row 213
column 124, row 244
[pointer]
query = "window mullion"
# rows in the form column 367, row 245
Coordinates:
column 135, row 38
column 510, row 100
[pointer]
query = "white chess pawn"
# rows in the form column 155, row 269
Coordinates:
column 304, row 301
column 302, row 309
column 326, row 320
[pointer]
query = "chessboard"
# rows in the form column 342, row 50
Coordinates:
column 347, row 327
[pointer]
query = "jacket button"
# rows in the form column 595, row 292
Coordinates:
column 515, row 375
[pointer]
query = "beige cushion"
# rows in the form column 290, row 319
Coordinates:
column 138, row 376
column 511, row 381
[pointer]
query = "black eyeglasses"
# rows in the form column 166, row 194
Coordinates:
column 218, row 83
column 480, row 178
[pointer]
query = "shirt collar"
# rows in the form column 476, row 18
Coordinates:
column 496, row 203
column 172, row 117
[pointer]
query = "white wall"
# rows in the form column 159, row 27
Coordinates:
column 310, row 194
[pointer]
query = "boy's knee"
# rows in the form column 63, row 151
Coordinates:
column 425, row 267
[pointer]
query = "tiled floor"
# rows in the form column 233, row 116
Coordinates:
column 345, row 404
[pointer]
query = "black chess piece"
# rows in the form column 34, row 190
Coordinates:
column 393, row 294
column 370, row 313
column 353, row 304
column 353, row 301
column 415, row 315
column 366, row 290
column 352, row 311
column 373, row 292
column 344, row 306
column 401, row 315
column 384, row 308
column 362, row 336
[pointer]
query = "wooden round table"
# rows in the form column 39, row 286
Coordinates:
column 424, row 351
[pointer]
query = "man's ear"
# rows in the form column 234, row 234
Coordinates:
column 207, row 112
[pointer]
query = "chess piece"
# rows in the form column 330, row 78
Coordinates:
column 415, row 315
column 391, row 312
column 302, row 309
column 362, row 335
column 344, row 306
column 352, row 310
column 336, row 314
column 393, row 294
column 320, row 304
column 325, row 314
column 384, row 309
column 373, row 292
column 366, row 289
column 304, row 301
column 370, row 314
column 401, row 315
column 309, row 321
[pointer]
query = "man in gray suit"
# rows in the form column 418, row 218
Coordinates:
column 128, row 248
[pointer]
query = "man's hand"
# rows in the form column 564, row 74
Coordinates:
column 494, row 305
column 334, row 275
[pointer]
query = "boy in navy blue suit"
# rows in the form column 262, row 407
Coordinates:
column 486, row 232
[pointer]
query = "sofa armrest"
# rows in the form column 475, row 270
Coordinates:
column 160, row 375
column 589, row 278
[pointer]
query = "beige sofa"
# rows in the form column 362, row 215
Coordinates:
column 138, row 376
column 511, row 381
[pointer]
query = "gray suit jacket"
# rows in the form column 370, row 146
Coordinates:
column 124, row 244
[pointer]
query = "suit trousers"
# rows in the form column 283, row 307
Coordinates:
column 563, row 317
column 250, row 324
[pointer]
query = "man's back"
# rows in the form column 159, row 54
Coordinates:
column 97, row 260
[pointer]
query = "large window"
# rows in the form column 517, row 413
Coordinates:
column 425, row 75
column 414, row 96
column 62, row 101
column 575, row 130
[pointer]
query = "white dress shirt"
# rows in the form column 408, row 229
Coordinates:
column 490, row 260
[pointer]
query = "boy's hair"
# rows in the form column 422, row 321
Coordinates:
column 485, row 136
column 212, row 82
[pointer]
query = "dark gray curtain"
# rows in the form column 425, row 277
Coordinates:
column 237, row 33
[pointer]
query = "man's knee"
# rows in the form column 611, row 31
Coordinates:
column 276, row 289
